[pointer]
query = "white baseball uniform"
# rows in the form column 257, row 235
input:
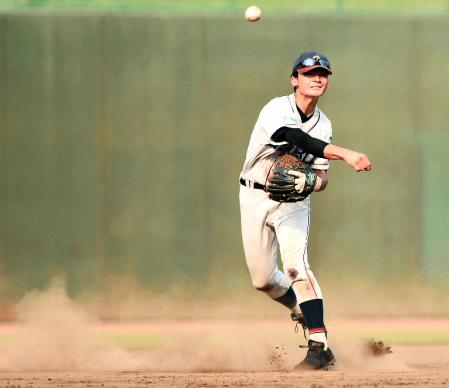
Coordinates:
column 270, row 228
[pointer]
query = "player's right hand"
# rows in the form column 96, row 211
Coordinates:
column 300, row 180
column 358, row 161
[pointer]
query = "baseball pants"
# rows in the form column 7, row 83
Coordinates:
column 271, row 230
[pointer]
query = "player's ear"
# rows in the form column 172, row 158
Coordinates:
column 294, row 81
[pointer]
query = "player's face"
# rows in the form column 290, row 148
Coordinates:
column 311, row 84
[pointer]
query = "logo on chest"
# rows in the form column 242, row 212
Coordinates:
column 290, row 120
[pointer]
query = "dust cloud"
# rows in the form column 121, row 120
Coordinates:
column 54, row 335
column 202, row 356
column 258, row 357
column 354, row 355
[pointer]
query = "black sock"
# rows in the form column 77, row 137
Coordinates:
column 313, row 314
column 288, row 299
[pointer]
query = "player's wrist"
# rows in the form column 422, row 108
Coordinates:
column 318, row 184
column 321, row 182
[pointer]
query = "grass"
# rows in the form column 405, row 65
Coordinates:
column 148, row 341
column 6, row 339
column 420, row 6
column 141, row 341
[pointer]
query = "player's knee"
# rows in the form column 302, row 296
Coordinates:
column 274, row 284
column 263, row 285
column 271, row 289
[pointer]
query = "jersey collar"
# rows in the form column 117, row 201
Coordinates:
column 311, row 123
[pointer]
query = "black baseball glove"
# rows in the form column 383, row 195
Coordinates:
column 290, row 179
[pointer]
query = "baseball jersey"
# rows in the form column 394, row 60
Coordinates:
column 263, row 151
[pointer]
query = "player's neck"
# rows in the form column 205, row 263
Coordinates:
column 306, row 104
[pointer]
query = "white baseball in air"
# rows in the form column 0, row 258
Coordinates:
column 253, row 13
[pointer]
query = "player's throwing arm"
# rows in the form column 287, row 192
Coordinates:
column 356, row 160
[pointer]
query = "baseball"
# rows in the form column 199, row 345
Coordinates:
column 253, row 13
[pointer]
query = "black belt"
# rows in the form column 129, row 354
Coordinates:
column 251, row 185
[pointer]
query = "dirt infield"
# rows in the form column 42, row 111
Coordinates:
column 55, row 343
column 429, row 377
column 213, row 354
column 435, row 374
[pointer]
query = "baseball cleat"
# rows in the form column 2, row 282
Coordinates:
column 317, row 357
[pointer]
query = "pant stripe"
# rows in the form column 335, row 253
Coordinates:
column 305, row 249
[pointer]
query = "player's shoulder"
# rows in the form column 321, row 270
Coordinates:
column 282, row 101
column 278, row 104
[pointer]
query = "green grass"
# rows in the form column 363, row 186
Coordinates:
column 128, row 341
column 6, row 339
column 420, row 6
column 148, row 341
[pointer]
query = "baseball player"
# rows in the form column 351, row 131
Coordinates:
column 271, row 228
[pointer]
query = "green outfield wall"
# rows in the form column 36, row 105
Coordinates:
column 122, row 139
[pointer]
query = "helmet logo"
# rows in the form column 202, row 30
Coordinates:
column 316, row 58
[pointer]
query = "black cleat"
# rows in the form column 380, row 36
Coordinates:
column 317, row 357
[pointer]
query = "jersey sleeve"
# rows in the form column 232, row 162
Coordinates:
column 273, row 116
column 325, row 135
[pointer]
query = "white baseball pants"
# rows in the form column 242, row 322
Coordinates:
column 271, row 229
